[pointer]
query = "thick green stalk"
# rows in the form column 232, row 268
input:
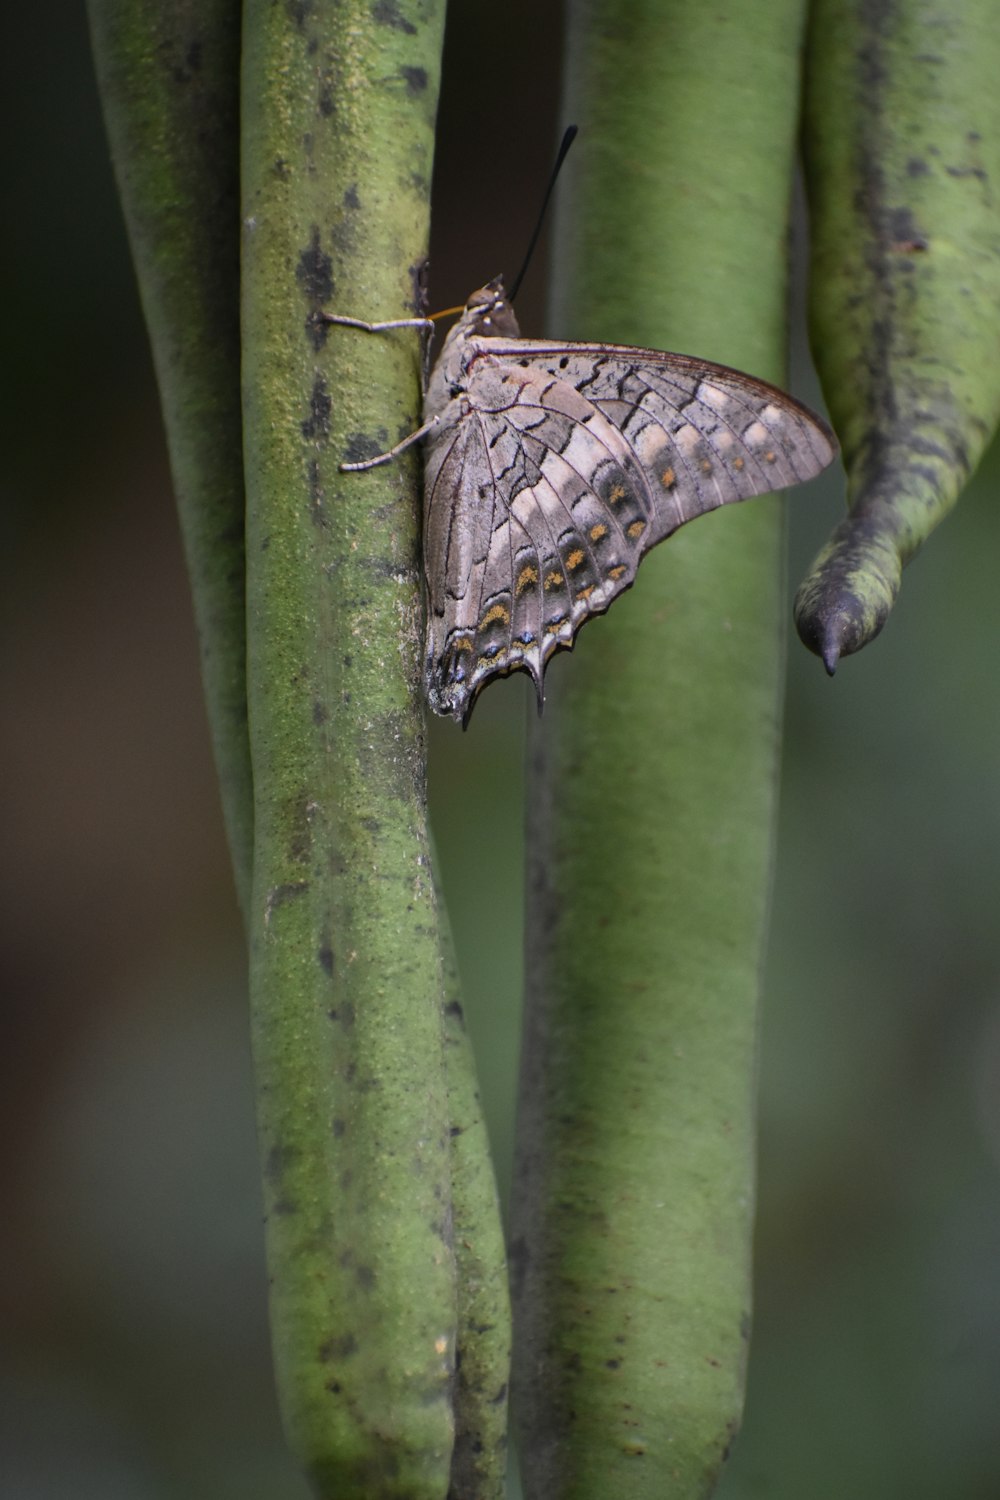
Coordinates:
column 482, row 1358
column 902, row 154
column 169, row 78
column 346, row 980
column 652, row 796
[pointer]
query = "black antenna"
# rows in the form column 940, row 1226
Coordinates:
column 569, row 136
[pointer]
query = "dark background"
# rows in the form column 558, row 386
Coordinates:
column 134, row 1355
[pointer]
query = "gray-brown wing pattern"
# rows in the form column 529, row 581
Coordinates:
column 555, row 467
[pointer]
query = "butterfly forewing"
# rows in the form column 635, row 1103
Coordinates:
column 556, row 466
column 722, row 435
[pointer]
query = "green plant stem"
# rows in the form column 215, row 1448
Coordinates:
column 652, row 796
column 482, row 1374
column 902, row 158
column 346, row 980
column 169, row 80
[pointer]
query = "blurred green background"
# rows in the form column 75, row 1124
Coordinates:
column 134, row 1357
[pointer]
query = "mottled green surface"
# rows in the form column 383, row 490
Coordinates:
column 169, row 77
column 902, row 143
column 652, row 797
column 482, row 1341
column 345, row 968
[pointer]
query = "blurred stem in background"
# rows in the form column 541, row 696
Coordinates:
column 652, row 795
column 169, row 81
column 901, row 133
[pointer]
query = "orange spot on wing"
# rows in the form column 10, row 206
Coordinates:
column 527, row 575
column 575, row 558
column 495, row 612
column 598, row 532
column 553, row 580
column 669, row 478
column 636, row 529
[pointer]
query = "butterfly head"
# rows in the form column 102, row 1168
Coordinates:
column 488, row 313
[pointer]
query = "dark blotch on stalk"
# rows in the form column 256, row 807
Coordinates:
column 316, row 427
column 415, row 79
column 903, row 232
column 316, row 491
column 360, row 446
column 387, row 13
column 279, row 1160
column 338, row 1348
column 419, row 275
column 299, row 11
column 279, row 894
column 314, row 272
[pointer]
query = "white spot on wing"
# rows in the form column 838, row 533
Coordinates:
column 688, row 439
column 713, row 396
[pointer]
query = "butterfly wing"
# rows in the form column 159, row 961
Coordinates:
column 721, row 434
column 558, row 468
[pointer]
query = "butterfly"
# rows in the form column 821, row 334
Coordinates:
column 552, row 468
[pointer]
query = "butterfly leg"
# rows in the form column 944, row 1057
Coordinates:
column 376, row 327
column 385, row 458
column 414, row 437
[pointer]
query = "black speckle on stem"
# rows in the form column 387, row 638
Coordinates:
column 387, row 13
column 316, row 427
column 415, row 79
column 314, row 272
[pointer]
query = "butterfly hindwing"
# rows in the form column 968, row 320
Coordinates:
column 548, row 508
